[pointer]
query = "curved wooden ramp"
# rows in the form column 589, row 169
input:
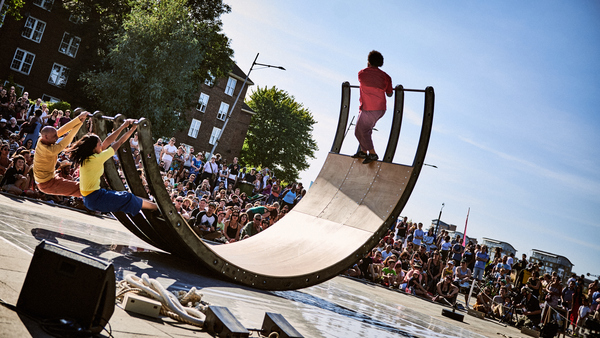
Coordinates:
column 345, row 213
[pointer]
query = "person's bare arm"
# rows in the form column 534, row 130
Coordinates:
column 110, row 141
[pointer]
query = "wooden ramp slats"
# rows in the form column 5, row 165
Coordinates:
column 330, row 179
column 345, row 213
column 115, row 183
column 136, row 224
column 382, row 196
column 300, row 244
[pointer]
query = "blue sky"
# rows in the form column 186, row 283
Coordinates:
column 516, row 126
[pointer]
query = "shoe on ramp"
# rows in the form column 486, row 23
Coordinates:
column 344, row 214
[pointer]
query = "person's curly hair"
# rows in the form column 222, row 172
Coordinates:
column 83, row 148
column 375, row 58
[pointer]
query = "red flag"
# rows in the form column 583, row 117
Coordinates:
column 465, row 233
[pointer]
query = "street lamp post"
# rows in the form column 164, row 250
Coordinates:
column 236, row 100
column 438, row 220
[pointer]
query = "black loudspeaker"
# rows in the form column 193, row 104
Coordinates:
column 220, row 321
column 65, row 284
column 275, row 322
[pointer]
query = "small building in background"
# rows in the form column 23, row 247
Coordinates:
column 550, row 262
column 453, row 233
column 442, row 226
column 207, row 119
column 492, row 244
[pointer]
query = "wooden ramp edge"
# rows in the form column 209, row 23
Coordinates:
column 345, row 213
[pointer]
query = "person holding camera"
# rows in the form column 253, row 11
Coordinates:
column 530, row 305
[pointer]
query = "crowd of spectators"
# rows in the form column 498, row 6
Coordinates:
column 222, row 201
column 226, row 202
column 440, row 268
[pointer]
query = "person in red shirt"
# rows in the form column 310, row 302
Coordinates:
column 374, row 85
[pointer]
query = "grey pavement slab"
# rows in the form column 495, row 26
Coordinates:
column 340, row 307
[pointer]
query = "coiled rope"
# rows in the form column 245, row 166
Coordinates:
column 186, row 307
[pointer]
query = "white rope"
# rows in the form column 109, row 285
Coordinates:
column 171, row 303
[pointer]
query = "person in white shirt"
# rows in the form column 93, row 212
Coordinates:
column 510, row 260
column 167, row 154
column 584, row 311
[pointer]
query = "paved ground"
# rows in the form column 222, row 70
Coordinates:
column 340, row 307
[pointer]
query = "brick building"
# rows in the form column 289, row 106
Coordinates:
column 206, row 120
column 44, row 52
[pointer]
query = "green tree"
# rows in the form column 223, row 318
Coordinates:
column 12, row 8
column 280, row 134
column 101, row 21
column 156, row 64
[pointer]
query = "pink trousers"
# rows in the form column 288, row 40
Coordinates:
column 364, row 127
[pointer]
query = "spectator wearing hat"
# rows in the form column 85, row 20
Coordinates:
column 46, row 156
column 448, row 269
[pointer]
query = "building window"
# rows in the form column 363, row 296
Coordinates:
column 34, row 29
column 45, row 4
column 48, row 98
column 210, row 80
column 69, row 45
column 214, row 135
column 22, row 61
column 223, row 111
column 59, row 75
column 230, row 86
column 202, row 102
column 194, row 128
column 76, row 19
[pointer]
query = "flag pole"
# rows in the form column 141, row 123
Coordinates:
column 465, row 233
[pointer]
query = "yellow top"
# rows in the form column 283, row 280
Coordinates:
column 91, row 171
column 44, row 161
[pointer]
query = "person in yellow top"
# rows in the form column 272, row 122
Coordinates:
column 46, row 155
column 90, row 153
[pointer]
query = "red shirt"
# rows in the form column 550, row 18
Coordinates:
column 374, row 84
